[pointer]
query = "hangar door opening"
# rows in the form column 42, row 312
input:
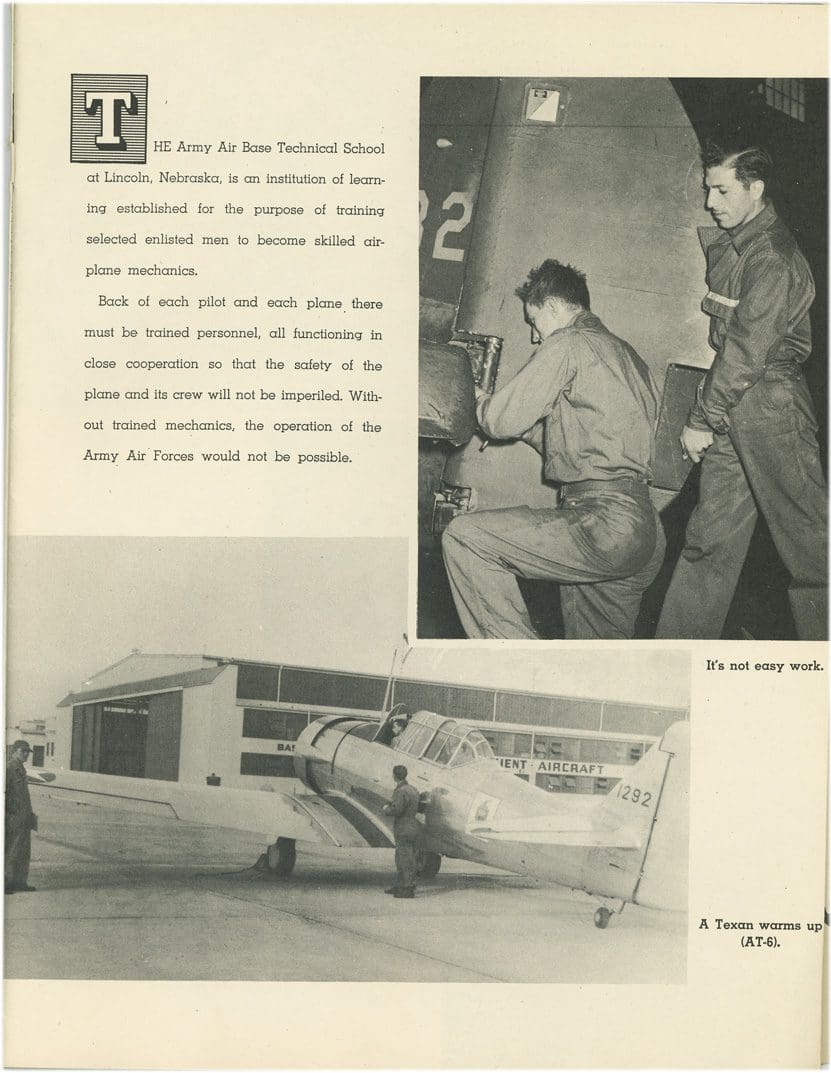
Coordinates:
column 137, row 737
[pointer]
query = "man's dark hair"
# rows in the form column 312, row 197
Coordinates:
column 555, row 280
column 750, row 163
column 21, row 744
column 399, row 772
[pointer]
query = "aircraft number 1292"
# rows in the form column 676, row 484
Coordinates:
column 633, row 794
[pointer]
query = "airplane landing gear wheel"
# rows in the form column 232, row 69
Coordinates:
column 281, row 857
column 602, row 917
column 428, row 864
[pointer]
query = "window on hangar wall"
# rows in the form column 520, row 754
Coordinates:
column 504, row 743
column 266, row 764
column 605, row 751
column 273, row 723
column 330, row 689
column 456, row 702
column 304, row 685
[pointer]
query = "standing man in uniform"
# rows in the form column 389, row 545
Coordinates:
column 587, row 403
column 407, row 830
column 752, row 425
column 20, row 821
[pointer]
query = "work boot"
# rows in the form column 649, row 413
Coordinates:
column 405, row 892
column 391, row 890
column 25, row 886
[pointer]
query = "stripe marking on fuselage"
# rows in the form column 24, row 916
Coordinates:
column 367, row 828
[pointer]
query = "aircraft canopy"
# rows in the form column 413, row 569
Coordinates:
column 444, row 741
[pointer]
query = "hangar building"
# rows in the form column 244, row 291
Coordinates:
column 198, row 719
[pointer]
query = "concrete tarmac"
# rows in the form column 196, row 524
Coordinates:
column 124, row 897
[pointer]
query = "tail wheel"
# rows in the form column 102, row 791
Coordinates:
column 602, row 917
column 428, row 864
column 281, row 857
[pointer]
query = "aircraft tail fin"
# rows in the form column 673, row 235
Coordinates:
column 632, row 804
column 649, row 809
column 663, row 878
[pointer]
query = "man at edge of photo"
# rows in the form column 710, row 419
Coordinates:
column 752, row 425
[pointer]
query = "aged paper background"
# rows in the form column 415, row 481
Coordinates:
column 758, row 795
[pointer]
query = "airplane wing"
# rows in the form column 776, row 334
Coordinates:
column 330, row 819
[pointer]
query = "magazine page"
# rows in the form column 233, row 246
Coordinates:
column 402, row 598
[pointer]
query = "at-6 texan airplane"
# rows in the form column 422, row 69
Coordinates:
column 627, row 846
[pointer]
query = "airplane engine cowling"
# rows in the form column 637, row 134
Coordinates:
column 316, row 749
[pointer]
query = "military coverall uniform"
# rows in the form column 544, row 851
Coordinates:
column 19, row 822
column 407, row 831
column 764, row 456
column 587, row 402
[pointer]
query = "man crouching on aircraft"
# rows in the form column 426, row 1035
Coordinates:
column 406, row 829
column 587, row 403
